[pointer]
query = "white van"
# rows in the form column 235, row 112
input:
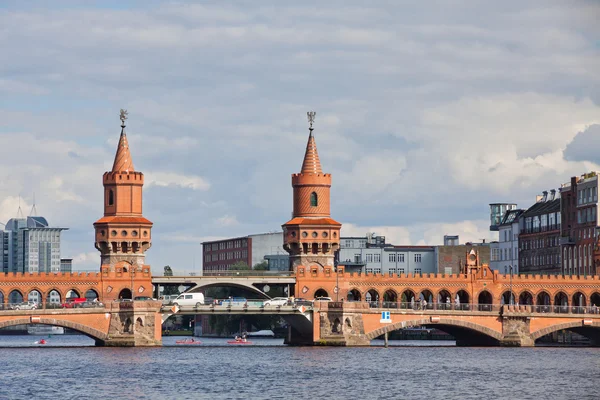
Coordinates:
column 189, row 299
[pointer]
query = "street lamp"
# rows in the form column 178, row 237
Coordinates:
column 132, row 269
column 337, row 283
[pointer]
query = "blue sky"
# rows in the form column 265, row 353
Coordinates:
column 425, row 112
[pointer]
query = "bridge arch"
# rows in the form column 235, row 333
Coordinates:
column 443, row 296
column 526, row 298
column 35, row 294
column 72, row 293
column 372, row 295
column 579, row 299
column 390, row 295
column 561, row 299
column 15, row 296
column 210, row 284
column 407, row 295
column 542, row 298
column 84, row 329
column 54, row 296
column 1, row 297
column 456, row 327
column 591, row 331
column 321, row 293
column 595, row 299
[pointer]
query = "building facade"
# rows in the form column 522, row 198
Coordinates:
column 579, row 214
column 220, row 255
column 30, row 245
column 505, row 253
column 539, row 238
column 497, row 213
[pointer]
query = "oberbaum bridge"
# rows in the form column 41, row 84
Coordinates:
column 477, row 306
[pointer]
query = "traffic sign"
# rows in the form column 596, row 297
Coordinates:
column 386, row 318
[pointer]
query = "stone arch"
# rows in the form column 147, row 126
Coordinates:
column 542, row 299
column 579, row 299
column 35, row 294
column 354, row 295
column 72, row 293
column 426, row 295
column 1, row 299
column 314, row 199
column 336, row 326
column 390, row 296
column 408, row 296
column 125, row 293
column 449, row 322
column 139, row 322
column 444, row 299
column 203, row 285
column 86, row 330
column 372, row 296
column 595, row 299
column 463, row 299
column 505, row 297
column 485, row 301
column 561, row 299
column 15, row 296
column 562, row 326
column 526, row 298
column 53, row 298
column 321, row 293
column 91, row 294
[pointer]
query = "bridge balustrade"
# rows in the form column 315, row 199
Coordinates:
column 46, row 306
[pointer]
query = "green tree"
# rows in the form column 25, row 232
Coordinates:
column 261, row 266
column 168, row 271
column 240, row 266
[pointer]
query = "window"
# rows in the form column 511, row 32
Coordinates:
column 392, row 257
column 400, row 258
column 400, row 271
column 314, row 201
column 418, row 270
column 347, row 243
column 377, row 257
column 111, row 197
column 417, row 259
column 369, row 257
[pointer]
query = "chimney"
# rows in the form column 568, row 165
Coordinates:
column 552, row 194
column 538, row 198
column 545, row 193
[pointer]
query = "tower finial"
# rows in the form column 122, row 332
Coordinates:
column 123, row 117
column 311, row 120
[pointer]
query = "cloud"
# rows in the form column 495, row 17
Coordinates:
column 424, row 114
column 165, row 179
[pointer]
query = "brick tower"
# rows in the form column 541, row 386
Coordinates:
column 123, row 234
column 311, row 236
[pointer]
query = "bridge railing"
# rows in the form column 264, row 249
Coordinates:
column 418, row 306
column 593, row 309
column 249, row 273
column 30, row 305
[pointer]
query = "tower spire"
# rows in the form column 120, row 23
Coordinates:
column 311, row 163
column 123, row 162
column 33, row 211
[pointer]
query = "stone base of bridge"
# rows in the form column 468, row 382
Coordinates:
column 133, row 324
column 340, row 324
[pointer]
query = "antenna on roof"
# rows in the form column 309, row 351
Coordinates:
column 19, row 211
column 33, row 211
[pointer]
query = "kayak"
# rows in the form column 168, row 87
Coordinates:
column 188, row 341
column 238, row 342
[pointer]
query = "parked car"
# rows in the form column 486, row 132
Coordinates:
column 168, row 298
column 142, row 298
column 29, row 305
column 74, row 302
column 323, row 299
column 276, row 301
column 189, row 299
column 299, row 301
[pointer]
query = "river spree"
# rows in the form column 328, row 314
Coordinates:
column 269, row 370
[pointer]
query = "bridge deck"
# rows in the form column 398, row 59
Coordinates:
column 237, row 309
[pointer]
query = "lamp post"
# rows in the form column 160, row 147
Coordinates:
column 337, row 283
column 132, row 269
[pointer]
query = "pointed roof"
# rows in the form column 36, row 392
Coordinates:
column 311, row 163
column 123, row 162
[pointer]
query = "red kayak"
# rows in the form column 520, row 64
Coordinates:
column 238, row 342
column 188, row 341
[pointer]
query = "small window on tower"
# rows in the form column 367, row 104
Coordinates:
column 313, row 200
column 111, row 197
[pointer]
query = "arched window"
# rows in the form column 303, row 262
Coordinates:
column 111, row 197
column 314, row 201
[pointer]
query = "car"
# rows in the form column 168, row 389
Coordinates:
column 299, row 301
column 276, row 301
column 29, row 305
column 168, row 298
column 74, row 302
column 323, row 299
column 142, row 298
column 189, row 299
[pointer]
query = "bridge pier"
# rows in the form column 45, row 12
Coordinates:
column 133, row 324
column 516, row 332
column 340, row 324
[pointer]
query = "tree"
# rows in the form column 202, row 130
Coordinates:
column 240, row 266
column 168, row 271
column 261, row 266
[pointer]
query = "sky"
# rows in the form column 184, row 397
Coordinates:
column 426, row 112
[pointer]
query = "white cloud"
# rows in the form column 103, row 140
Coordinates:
column 89, row 261
column 227, row 220
column 165, row 179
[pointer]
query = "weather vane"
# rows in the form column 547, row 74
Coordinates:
column 123, row 116
column 311, row 119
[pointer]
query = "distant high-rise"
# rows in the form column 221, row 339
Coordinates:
column 30, row 245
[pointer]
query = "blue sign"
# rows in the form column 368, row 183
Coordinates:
column 386, row 317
